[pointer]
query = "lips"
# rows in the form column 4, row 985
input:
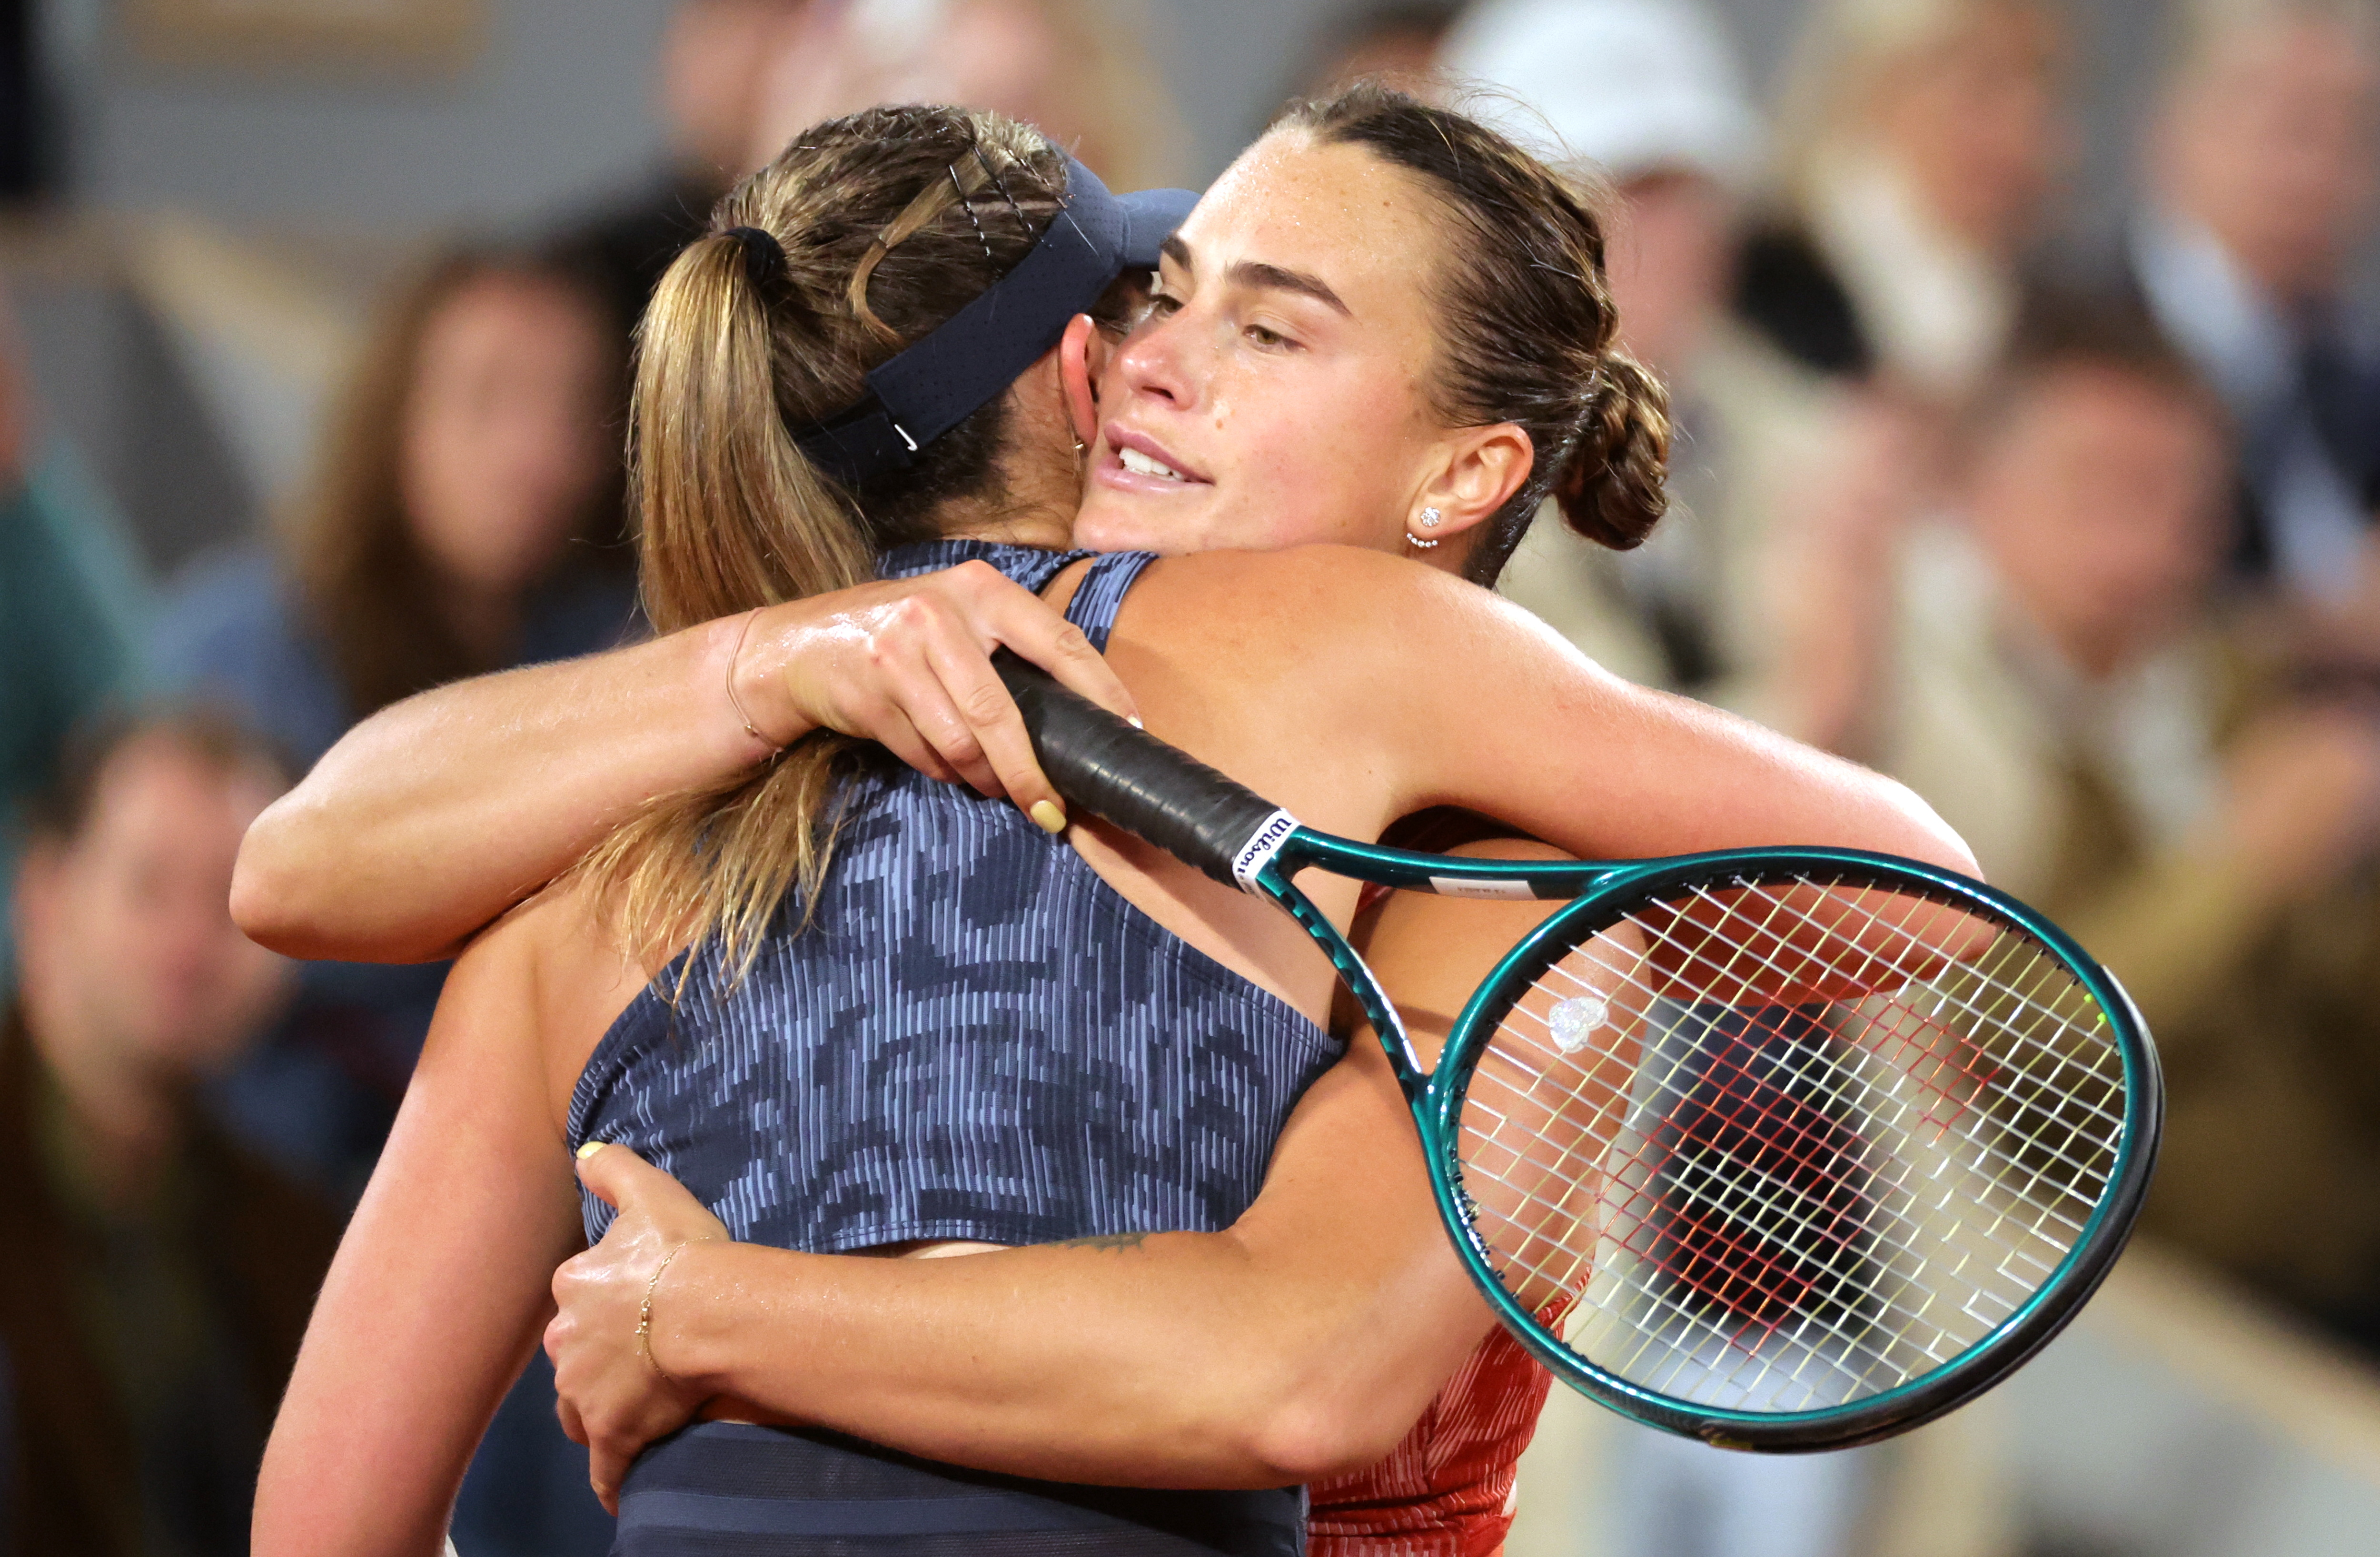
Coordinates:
column 1138, row 462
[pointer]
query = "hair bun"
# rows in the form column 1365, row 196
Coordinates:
column 1613, row 488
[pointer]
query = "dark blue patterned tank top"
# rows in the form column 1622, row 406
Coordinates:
column 975, row 1037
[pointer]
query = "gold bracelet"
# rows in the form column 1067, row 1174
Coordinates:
column 735, row 702
column 645, row 1311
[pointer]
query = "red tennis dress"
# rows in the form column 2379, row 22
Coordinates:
column 1446, row 1491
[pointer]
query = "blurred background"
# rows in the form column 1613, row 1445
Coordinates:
column 2026, row 355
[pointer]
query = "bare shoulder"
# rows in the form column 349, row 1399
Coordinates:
column 1345, row 603
column 1375, row 628
column 560, row 968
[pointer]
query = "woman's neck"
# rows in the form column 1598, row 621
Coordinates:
column 1032, row 504
column 1042, row 531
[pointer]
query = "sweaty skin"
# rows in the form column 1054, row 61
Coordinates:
column 1351, row 686
column 1298, row 1344
column 1358, row 689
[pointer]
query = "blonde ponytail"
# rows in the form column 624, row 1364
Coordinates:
column 736, row 517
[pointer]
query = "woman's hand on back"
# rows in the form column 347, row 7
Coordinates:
column 614, row 1395
column 908, row 664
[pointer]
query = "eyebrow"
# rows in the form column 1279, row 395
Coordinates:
column 1256, row 273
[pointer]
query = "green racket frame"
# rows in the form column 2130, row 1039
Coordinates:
column 1239, row 838
column 1435, row 1095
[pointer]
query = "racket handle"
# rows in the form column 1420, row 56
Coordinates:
column 1129, row 777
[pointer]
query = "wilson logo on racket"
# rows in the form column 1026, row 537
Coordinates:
column 1258, row 852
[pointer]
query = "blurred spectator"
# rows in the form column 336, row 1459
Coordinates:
column 1080, row 69
column 2066, row 701
column 1918, row 143
column 159, row 1278
column 1785, row 495
column 71, row 597
column 2260, row 189
column 1784, row 500
column 1396, row 41
column 714, row 61
column 465, row 518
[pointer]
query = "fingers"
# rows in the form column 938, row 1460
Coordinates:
column 933, row 670
column 922, row 683
column 573, row 1426
column 995, row 612
column 661, row 1206
column 608, row 1459
column 1004, row 612
column 606, row 1170
column 996, row 731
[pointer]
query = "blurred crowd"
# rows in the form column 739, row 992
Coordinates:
column 2074, row 535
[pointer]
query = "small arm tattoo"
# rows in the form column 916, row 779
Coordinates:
column 1106, row 1241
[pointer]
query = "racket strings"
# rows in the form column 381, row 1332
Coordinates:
column 1933, row 1088
column 1758, row 1277
column 1757, row 1272
column 2008, row 947
column 1564, row 972
column 1783, row 1201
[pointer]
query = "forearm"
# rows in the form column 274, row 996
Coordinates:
column 435, row 1298
column 435, row 815
column 1185, row 1359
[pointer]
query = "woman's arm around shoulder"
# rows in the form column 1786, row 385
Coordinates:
column 1458, row 697
column 437, row 813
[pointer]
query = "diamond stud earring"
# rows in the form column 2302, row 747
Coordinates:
column 1429, row 518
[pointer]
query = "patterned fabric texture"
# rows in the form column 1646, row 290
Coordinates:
column 1447, row 1490
column 976, row 1038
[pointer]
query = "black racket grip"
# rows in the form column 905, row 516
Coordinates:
column 1129, row 777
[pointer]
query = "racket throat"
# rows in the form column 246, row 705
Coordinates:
column 1269, row 881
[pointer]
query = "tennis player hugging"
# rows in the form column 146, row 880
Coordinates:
column 833, row 997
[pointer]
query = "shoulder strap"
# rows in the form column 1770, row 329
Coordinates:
column 1029, row 566
column 1101, row 593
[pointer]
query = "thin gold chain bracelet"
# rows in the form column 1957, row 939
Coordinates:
column 645, row 1310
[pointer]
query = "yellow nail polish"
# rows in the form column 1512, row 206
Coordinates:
column 1136, row 724
column 1050, row 817
column 591, row 1147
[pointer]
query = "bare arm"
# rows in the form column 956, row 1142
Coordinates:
column 1302, row 1342
column 1458, row 697
column 1527, row 730
column 439, row 1288
column 433, row 817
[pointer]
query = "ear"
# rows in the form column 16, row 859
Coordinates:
column 1083, row 353
column 1482, row 468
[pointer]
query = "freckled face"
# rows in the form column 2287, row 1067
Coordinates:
column 1276, row 393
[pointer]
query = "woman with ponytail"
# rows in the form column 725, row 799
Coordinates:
column 858, row 1010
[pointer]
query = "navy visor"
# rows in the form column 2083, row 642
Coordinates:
column 937, row 381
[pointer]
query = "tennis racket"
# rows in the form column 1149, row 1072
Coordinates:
column 1781, row 1149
